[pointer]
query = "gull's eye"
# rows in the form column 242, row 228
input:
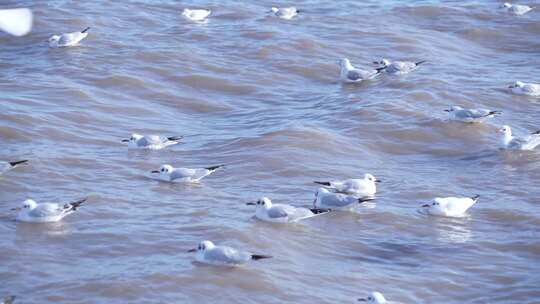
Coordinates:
column 433, row 204
column 162, row 169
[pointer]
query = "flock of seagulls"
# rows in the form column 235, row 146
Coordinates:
column 338, row 195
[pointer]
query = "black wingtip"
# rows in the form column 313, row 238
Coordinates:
column 322, row 183
column 420, row 62
column 85, row 30
column 15, row 163
column 76, row 204
column 260, row 257
column 213, row 168
column 175, row 137
column 319, row 210
column 476, row 197
column 365, row 199
column 494, row 113
column 536, row 133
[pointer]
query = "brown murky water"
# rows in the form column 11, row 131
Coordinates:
column 261, row 95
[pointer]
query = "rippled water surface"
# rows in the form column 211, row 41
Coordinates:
column 262, row 96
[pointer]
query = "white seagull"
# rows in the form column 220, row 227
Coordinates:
column 398, row 67
column 68, row 39
column 196, row 14
column 9, row 300
column 6, row 166
column 350, row 74
column 450, row 206
column 285, row 12
column 470, row 115
column 184, row 175
column 522, row 88
column 280, row 213
column 325, row 199
column 208, row 253
column 511, row 142
column 374, row 297
column 151, row 142
column 359, row 187
column 516, row 9
column 16, row 22
column 47, row 212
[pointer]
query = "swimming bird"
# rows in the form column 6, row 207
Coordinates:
column 280, row 213
column 68, row 39
column 208, row 253
column 151, row 142
column 184, row 175
column 516, row 9
column 398, row 67
column 470, row 115
column 522, row 88
column 325, row 199
column 359, row 187
column 6, row 166
column 511, row 142
column 450, row 206
column 374, row 297
column 285, row 12
column 9, row 300
column 46, row 212
column 16, row 21
column 350, row 74
column 196, row 14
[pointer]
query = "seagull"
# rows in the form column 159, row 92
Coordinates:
column 151, row 142
column 285, row 12
column 9, row 300
column 375, row 297
column 6, row 166
column 470, row 115
column 516, row 9
column 196, row 14
column 280, row 213
column 47, row 212
column 359, row 187
column 16, row 22
column 208, row 253
column 522, row 88
column 325, row 199
column 515, row 143
column 350, row 74
column 68, row 39
column 398, row 67
column 450, row 206
column 184, row 175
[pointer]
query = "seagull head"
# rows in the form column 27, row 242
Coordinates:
column 29, row 204
column 371, row 178
column 274, row 9
column 506, row 5
column 506, row 130
column 374, row 297
column 133, row 139
column 517, row 84
column 263, row 202
column 163, row 170
column 204, row 245
column 383, row 62
column 435, row 204
column 345, row 64
column 53, row 39
column 453, row 108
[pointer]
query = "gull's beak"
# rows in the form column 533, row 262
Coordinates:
column 192, row 250
column 426, row 205
column 446, row 110
column 16, row 209
column 251, row 204
column 378, row 181
column 125, row 140
column 154, row 171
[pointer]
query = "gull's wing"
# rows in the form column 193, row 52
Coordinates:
column 70, row 38
column 354, row 75
column 179, row 173
column 228, row 255
column 46, row 210
column 337, row 200
column 279, row 211
column 531, row 141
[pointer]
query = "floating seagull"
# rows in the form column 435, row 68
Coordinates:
column 209, row 253
column 470, row 115
column 16, row 22
column 47, row 212
column 280, row 213
column 196, row 14
column 325, row 199
column 285, row 12
column 350, row 74
column 151, row 142
column 9, row 300
column 6, row 166
column 515, row 143
column 450, row 206
column 68, row 39
column 375, row 297
column 398, row 67
column 184, row 175
column 516, row 9
column 359, row 187
column 522, row 88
